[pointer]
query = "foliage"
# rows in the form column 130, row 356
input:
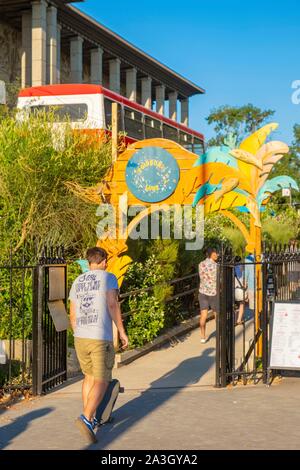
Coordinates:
column 15, row 371
column 147, row 321
column 15, row 309
column 36, row 205
column 290, row 166
column 12, row 91
column 283, row 228
column 239, row 120
column 148, row 310
column 236, row 240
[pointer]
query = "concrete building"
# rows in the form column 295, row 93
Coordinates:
column 50, row 41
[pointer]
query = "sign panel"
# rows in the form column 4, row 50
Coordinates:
column 152, row 174
column 286, row 192
column 285, row 336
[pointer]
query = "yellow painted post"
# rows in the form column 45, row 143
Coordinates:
column 114, row 136
column 256, row 236
column 114, row 145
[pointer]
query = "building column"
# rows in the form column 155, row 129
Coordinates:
column 131, row 84
column 185, row 112
column 115, row 75
column 51, row 45
column 160, row 99
column 147, row 92
column 173, row 105
column 97, row 66
column 58, row 51
column 39, row 42
column 76, row 46
column 26, row 49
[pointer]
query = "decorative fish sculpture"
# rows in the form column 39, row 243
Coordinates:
column 205, row 190
column 217, row 155
column 247, row 157
column 227, row 186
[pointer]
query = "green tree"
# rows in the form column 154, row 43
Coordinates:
column 238, row 120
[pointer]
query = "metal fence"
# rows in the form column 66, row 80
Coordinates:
column 242, row 351
column 32, row 353
column 16, row 280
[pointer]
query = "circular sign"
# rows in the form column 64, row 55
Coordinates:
column 152, row 174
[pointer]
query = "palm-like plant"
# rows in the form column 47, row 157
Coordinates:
column 237, row 178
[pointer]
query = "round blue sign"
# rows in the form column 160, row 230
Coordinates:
column 152, row 174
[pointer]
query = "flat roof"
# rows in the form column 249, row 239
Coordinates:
column 74, row 21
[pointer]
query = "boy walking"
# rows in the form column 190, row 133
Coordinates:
column 94, row 305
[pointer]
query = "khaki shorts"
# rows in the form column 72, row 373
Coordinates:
column 96, row 357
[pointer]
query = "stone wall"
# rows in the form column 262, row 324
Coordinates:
column 10, row 54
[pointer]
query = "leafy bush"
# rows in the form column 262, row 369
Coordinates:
column 147, row 321
column 15, row 309
column 37, row 170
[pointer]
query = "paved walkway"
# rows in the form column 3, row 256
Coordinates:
column 169, row 403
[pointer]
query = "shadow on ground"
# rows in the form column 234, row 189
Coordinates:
column 19, row 425
column 187, row 373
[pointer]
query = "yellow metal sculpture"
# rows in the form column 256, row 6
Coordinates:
column 222, row 179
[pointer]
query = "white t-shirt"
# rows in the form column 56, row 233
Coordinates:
column 88, row 292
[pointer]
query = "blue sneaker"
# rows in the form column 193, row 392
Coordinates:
column 86, row 428
column 96, row 423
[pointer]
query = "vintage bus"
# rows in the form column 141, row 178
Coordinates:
column 88, row 108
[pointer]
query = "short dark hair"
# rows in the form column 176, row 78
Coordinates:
column 210, row 250
column 96, row 255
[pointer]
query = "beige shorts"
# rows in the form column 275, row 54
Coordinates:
column 96, row 357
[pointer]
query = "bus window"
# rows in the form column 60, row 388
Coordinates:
column 107, row 110
column 133, row 124
column 198, row 147
column 152, row 128
column 75, row 112
column 170, row 133
column 186, row 140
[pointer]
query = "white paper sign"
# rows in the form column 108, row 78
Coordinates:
column 286, row 192
column 285, row 336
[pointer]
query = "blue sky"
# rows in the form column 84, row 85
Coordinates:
column 240, row 52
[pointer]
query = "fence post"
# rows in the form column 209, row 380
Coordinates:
column 37, row 333
column 264, row 323
column 217, row 384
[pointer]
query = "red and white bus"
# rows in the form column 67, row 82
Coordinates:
column 88, row 108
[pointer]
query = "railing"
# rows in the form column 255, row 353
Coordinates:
column 185, row 289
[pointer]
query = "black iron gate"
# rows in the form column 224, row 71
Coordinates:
column 242, row 349
column 33, row 354
column 49, row 367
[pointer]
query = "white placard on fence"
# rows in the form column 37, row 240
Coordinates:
column 285, row 336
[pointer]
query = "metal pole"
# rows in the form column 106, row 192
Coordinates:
column 37, row 334
column 218, row 328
